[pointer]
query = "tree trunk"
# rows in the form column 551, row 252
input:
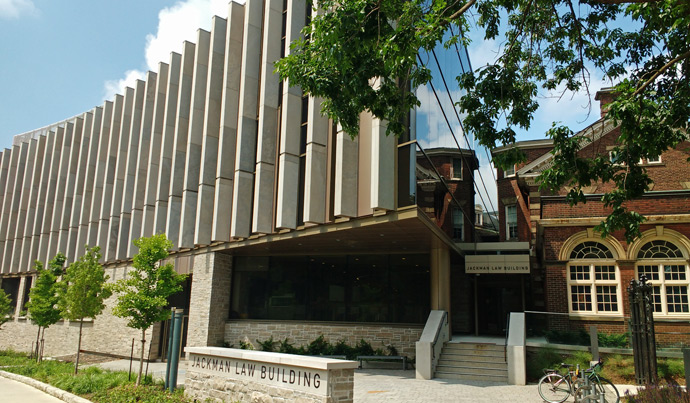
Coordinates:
column 76, row 363
column 38, row 338
column 43, row 335
column 141, row 358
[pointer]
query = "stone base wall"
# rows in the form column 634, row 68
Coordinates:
column 106, row 334
column 203, row 386
column 403, row 338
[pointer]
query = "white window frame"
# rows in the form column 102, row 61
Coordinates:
column 453, row 174
column 592, row 282
column 656, row 160
column 509, row 222
column 662, row 283
column 509, row 172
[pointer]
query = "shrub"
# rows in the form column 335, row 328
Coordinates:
column 364, row 348
column 320, row 346
column 144, row 393
column 658, row 394
column 543, row 358
column 670, row 368
column 579, row 337
column 267, row 345
column 615, row 340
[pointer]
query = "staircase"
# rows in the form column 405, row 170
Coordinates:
column 473, row 361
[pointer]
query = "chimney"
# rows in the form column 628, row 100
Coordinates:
column 605, row 96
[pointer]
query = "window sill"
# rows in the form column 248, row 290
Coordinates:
column 615, row 317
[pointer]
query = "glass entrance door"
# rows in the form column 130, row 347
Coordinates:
column 497, row 296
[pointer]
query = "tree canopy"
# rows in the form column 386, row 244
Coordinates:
column 361, row 55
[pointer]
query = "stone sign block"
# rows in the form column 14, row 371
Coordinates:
column 245, row 375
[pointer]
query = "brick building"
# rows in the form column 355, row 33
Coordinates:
column 576, row 272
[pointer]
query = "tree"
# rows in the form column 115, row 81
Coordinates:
column 83, row 290
column 361, row 55
column 144, row 293
column 43, row 307
column 5, row 307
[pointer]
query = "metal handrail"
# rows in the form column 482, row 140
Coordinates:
column 505, row 346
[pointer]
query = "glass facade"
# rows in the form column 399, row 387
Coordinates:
column 345, row 288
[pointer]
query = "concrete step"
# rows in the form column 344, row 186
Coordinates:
column 472, row 377
column 479, row 356
column 474, row 347
column 471, row 363
column 468, row 369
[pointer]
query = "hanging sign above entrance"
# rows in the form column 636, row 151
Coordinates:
column 497, row 264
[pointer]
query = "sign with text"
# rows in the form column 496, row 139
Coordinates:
column 308, row 380
column 497, row 264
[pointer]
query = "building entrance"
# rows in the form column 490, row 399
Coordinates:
column 496, row 296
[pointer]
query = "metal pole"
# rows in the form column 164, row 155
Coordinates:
column 686, row 363
column 169, row 349
column 174, row 358
column 594, row 342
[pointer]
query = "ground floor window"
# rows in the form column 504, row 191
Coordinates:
column 11, row 288
column 669, row 287
column 593, row 288
column 350, row 288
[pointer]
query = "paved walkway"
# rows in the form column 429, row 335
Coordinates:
column 17, row 392
column 371, row 385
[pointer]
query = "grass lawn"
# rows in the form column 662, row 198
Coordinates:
column 93, row 383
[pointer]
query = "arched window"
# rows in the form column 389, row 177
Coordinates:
column 593, row 280
column 663, row 264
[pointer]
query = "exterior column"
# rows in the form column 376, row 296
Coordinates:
column 383, row 150
column 243, row 181
column 131, row 170
column 70, row 185
column 203, row 222
column 82, row 218
column 122, row 151
column 290, row 127
column 109, row 176
column 36, row 224
column 154, row 157
column 94, row 205
column 184, row 104
column 45, row 225
column 194, row 140
column 142, row 166
column 13, row 202
column 210, row 299
column 4, row 176
column 31, row 177
column 346, row 172
column 440, row 278
column 168, row 145
column 79, row 181
column 227, row 141
column 27, row 226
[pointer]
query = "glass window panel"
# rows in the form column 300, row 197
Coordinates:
column 677, row 299
column 607, row 299
column 579, row 273
column 674, row 272
column 591, row 250
column 659, row 249
column 457, row 168
column 581, row 298
column 651, row 272
column 511, row 221
column 604, row 272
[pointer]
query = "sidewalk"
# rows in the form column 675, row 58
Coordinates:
column 384, row 385
column 17, row 392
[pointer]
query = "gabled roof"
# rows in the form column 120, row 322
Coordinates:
column 587, row 136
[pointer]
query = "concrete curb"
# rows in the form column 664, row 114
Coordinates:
column 51, row 390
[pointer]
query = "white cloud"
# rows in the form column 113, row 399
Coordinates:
column 113, row 87
column 432, row 128
column 12, row 9
column 488, row 175
column 176, row 24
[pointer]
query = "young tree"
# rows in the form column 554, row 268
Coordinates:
column 83, row 290
column 5, row 307
column 144, row 293
column 360, row 55
column 43, row 307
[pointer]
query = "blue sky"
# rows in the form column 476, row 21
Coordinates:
column 59, row 59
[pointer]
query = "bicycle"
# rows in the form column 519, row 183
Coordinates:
column 585, row 386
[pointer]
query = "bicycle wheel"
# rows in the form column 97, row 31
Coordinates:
column 609, row 391
column 554, row 388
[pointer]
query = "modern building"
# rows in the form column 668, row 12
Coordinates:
column 577, row 274
column 287, row 227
